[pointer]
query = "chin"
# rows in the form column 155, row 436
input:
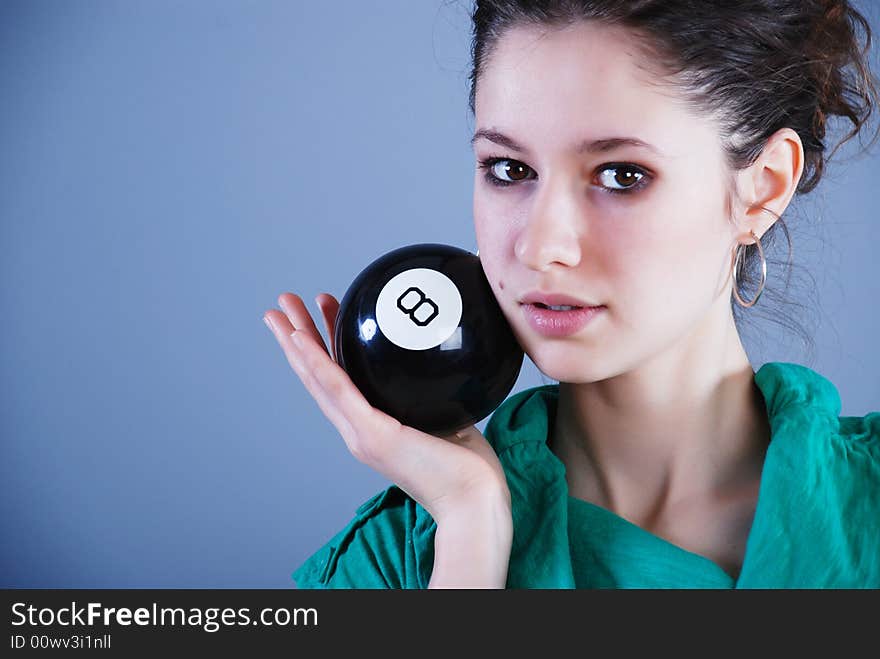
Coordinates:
column 563, row 368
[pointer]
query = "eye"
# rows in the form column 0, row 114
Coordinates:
column 626, row 177
column 504, row 171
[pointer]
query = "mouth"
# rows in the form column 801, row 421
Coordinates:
column 559, row 307
column 555, row 321
column 555, row 301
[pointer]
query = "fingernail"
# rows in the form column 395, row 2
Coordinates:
column 269, row 324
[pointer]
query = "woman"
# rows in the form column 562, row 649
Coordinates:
column 633, row 158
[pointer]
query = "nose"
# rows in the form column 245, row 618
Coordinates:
column 552, row 230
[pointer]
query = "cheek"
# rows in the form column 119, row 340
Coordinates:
column 487, row 235
column 666, row 268
column 481, row 223
column 644, row 258
column 631, row 255
column 493, row 223
column 495, row 231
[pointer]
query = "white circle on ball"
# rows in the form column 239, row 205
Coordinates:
column 419, row 309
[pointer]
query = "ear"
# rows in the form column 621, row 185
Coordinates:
column 771, row 181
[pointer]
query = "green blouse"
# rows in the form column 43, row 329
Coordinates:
column 816, row 524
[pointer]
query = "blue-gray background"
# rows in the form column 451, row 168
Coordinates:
column 166, row 170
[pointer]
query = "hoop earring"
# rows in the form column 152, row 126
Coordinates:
column 739, row 250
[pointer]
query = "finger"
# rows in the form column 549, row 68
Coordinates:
column 295, row 309
column 279, row 323
column 329, row 307
column 337, row 396
column 281, row 328
column 369, row 433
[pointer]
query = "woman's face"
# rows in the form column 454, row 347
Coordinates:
column 643, row 231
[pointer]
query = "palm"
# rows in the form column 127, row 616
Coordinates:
column 435, row 471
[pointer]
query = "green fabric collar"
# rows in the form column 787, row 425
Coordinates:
column 787, row 388
column 800, row 404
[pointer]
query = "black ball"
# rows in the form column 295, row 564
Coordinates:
column 422, row 337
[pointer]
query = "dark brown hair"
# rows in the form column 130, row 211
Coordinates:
column 755, row 65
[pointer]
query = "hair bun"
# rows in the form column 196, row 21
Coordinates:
column 838, row 66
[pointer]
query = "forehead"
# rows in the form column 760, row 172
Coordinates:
column 579, row 80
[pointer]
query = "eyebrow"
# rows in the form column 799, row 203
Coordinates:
column 600, row 145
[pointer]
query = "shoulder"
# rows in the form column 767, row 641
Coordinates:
column 805, row 407
column 387, row 544
column 826, row 465
column 859, row 439
column 835, row 500
column 848, row 470
column 861, row 428
column 816, row 520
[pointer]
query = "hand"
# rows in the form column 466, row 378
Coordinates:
column 446, row 475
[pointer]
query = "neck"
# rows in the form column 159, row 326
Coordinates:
column 688, row 425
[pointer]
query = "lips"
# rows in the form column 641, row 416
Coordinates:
column 559, row 324
column 555, row 299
